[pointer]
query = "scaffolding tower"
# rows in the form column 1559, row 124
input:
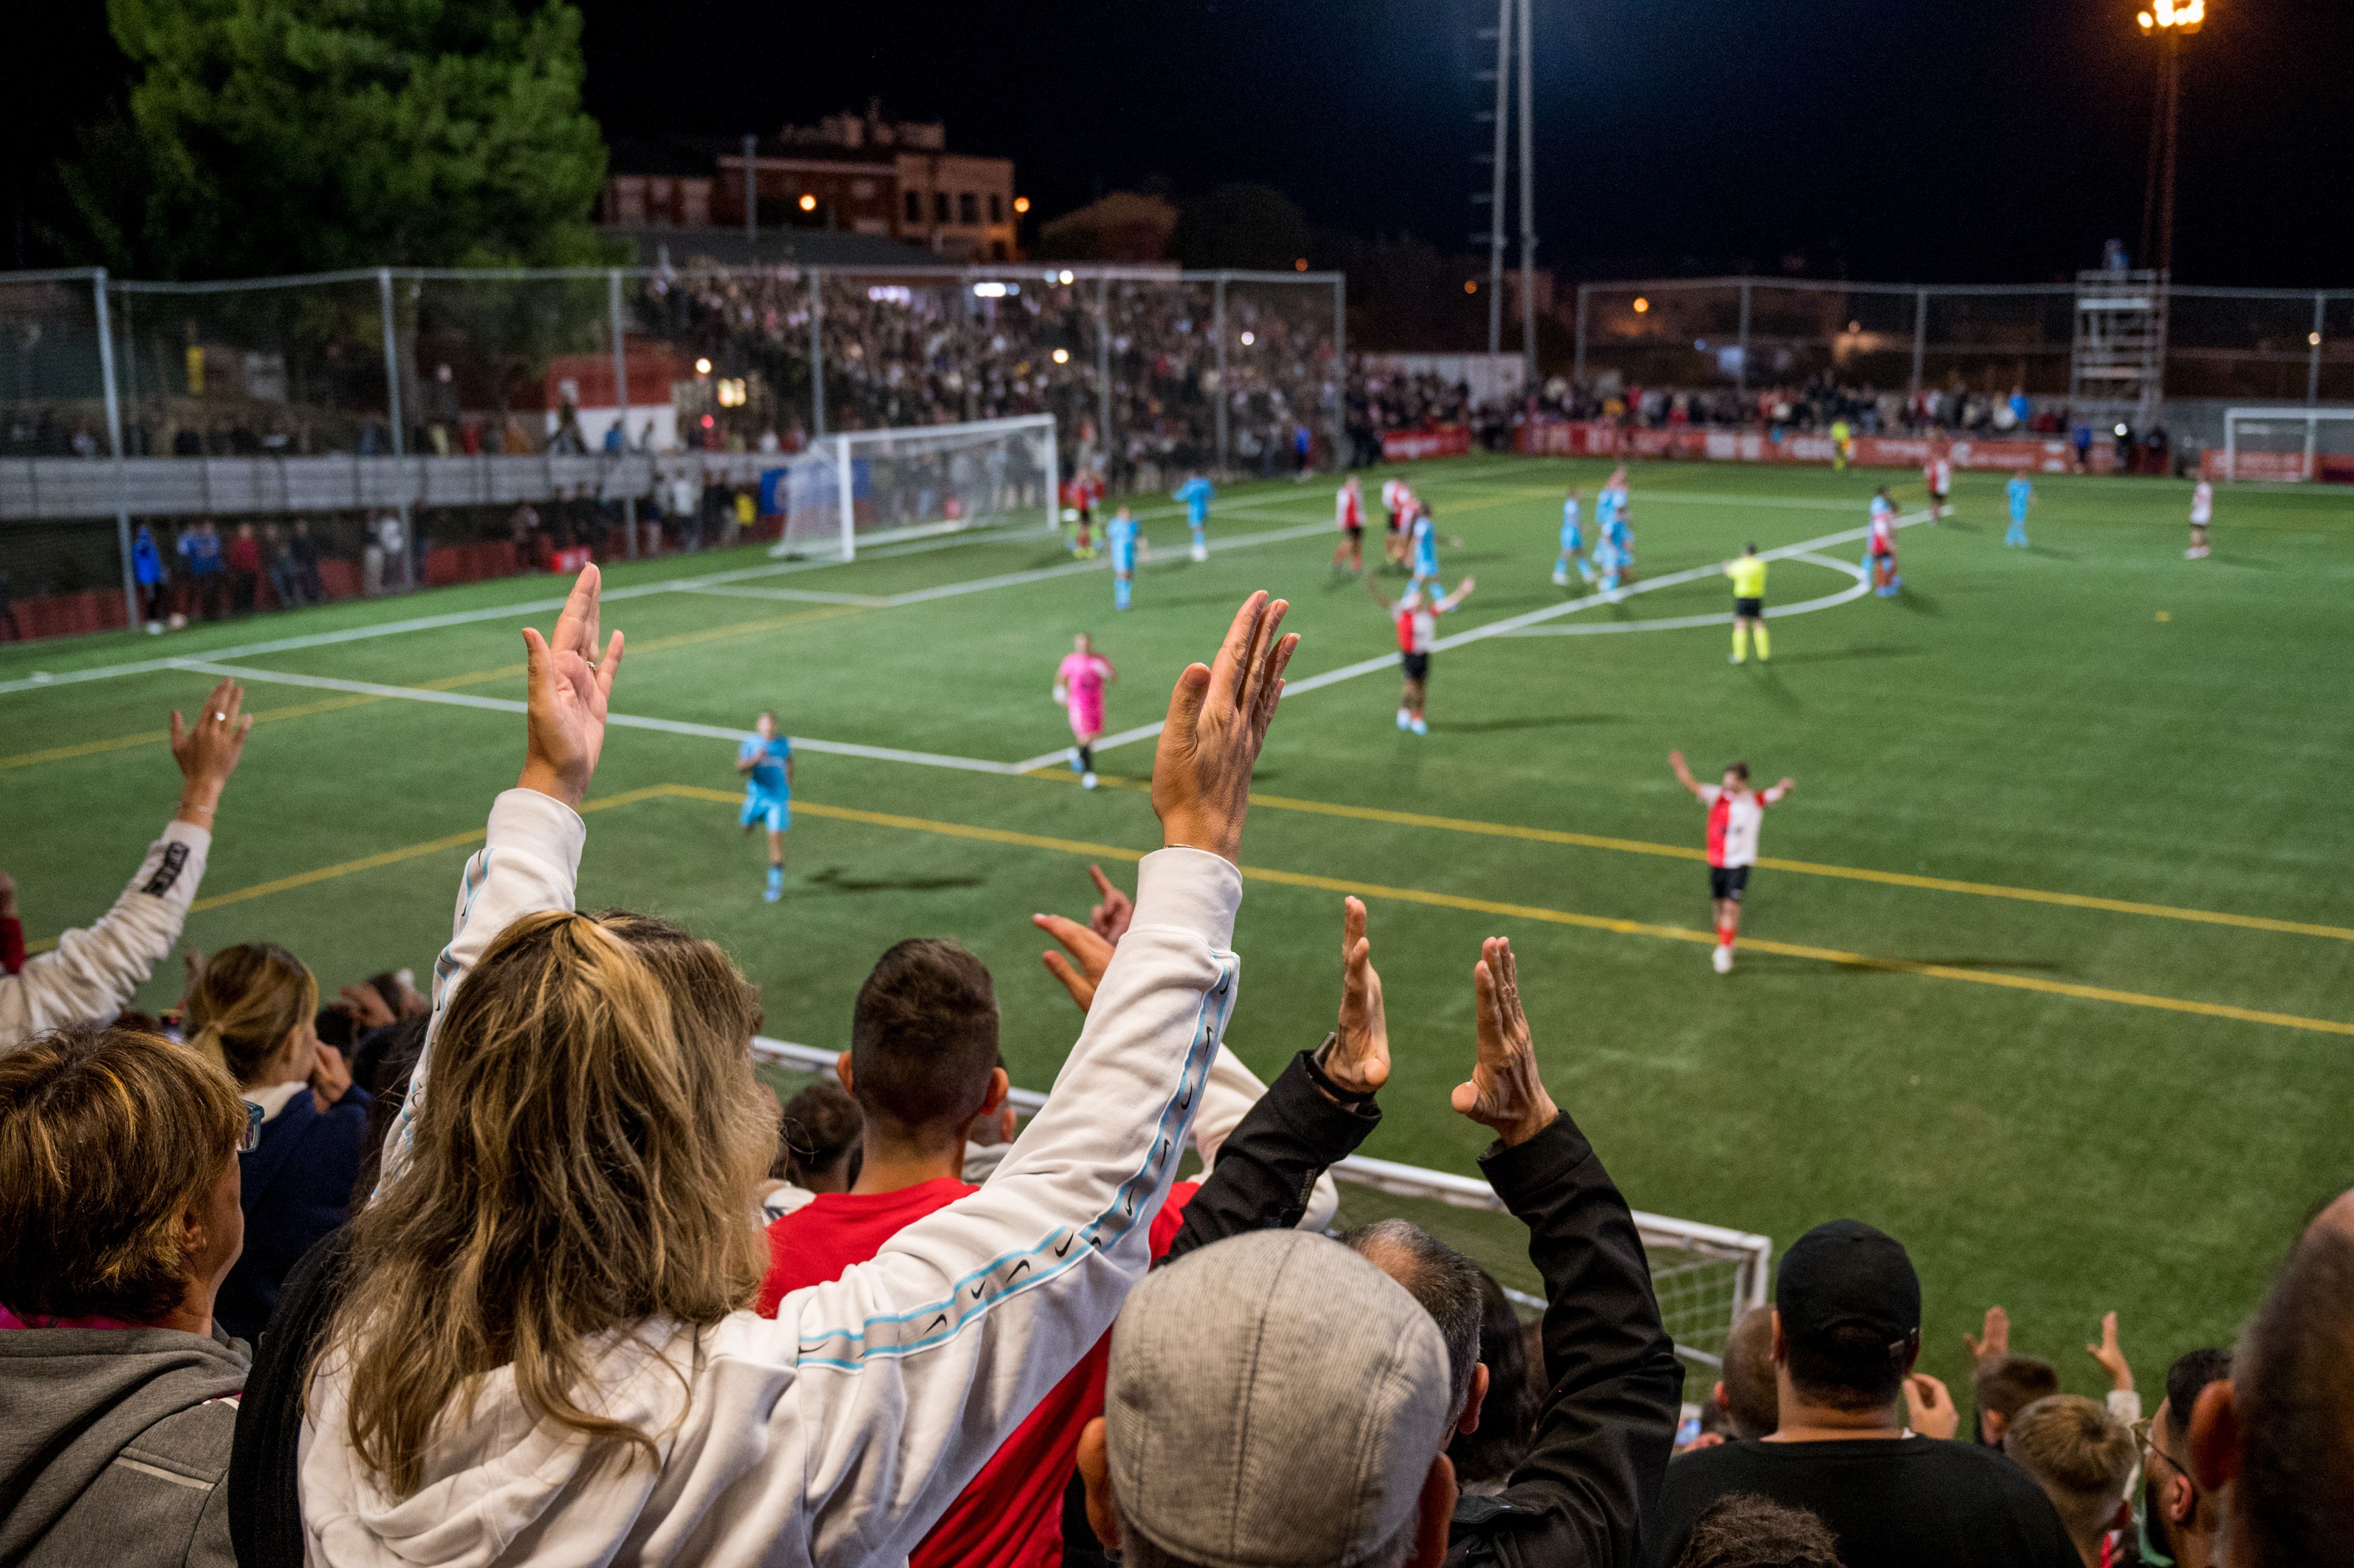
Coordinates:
column 2118, row 363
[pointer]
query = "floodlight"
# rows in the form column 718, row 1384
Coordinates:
column 809, row 202
column 1062, row 357
column 703, row 368
column 1249, row 339
column 1641, row 304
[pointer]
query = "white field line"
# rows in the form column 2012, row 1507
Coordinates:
column 1861, row 586
column 1508, row 626
column 40, row 679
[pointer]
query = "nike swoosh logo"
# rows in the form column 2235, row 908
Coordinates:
column 936, row 1322
column 1016, row 1271
column 979, row 1288
column 1064, row 1247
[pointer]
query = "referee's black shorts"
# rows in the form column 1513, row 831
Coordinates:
column 1749, row 609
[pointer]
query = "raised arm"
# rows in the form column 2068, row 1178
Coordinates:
column 94, row 970
column 1608, row 1422
column 1462, row 591
column 530, row 858
column 910, row 1370
column 1684, row 774
column 1779, row 791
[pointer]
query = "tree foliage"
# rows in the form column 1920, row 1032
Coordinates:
column 273, row 136
column 1245, row 227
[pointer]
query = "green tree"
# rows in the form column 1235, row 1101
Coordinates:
column 1245, row 227
column 272, row 136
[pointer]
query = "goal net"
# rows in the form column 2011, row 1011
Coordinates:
column 865, row 487
column 1705, row 1276
column 2284, row 444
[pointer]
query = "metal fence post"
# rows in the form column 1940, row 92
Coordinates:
column 841, row 480
column 1919, row 335
column 1103, row 372
column 114, row 443
column 2313, row 359
column 1340, row 375
column 392, row 393
column 621, row 411
column 1577, row 362
column 1741, row 375
column 1218, row 321
column 817, row 350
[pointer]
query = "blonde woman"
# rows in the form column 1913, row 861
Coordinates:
column 251, row 1012
column 544, row 1351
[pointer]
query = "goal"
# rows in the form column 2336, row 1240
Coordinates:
column 866, row 487
column 2290, row 444
column 1705, row 1277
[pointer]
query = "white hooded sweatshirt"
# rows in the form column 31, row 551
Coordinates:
column 839, row 1430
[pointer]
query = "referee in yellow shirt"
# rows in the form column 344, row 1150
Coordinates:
column 1748, row 574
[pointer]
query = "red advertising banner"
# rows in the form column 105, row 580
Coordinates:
column 1564, row 438
column 1437, row 441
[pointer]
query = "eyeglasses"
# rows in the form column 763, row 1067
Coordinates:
column 2147, row 1446
column 252, row 1140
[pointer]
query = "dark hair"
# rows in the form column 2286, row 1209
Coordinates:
column 1750, row 548
column 1851, row 1367
column 819, row 1126
column 107, row 1137
column 2293, row 1379
column 1742, row 1529
column 1751, row 1396
column 383, row 1067
column 1740, row 768
column 1510, row 1408
column 1446, row 1282
column 923, row 1038
column 2009, row 1384
column 2188, row 1378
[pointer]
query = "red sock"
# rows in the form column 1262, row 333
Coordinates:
column 1724, row 935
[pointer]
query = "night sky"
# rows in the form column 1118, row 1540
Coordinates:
column 2001, row 141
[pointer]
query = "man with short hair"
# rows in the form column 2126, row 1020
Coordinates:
column 1857, row 1437
column 2005, row 1385
column 2278, row 1433
column 2181, row 1524
column 2082, row 1458
column 1747, row 1389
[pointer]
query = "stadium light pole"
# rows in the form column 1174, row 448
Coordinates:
column 1528, row 198
column 1496, row 178
column 2169, row 22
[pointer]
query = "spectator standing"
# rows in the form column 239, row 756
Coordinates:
column 1847, row 1330
column 147, row 571
column 305, row 550
column 251, row 1011
column 118, row 1220
column 200, row 554
column 243, row 558
column 285, row 578
column 2082, row 1458
column 2181, row 1522
column 91, row 973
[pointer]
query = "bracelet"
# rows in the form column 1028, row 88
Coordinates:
column 1355, row 1099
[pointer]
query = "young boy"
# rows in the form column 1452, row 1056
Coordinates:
column 1416, row 619
column 1348, row 510
column 2021, row 496
column 1124, row 537
column 1735, row 812
column 2203, row 512
column 1748, row 574
column 766, row 760
column 1079, row 683
column 1880, row 546
column 1573, row 543
column 1197, row 493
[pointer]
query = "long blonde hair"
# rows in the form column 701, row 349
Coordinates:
column 248, row 998
column 584, row 1160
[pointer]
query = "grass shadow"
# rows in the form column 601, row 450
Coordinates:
column 1832, row 655
column 1554, row 721
column 833, row 880
column 1919, row 603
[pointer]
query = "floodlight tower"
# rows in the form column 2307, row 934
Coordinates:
column 2168, row 22
column 1512, row 17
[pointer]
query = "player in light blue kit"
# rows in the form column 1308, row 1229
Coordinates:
column 1424, row 550
column 2022, row 496
column 1573, row 544
column 1125, row 538
column 1197, row 494
column 1610, row 520
column 766, row 760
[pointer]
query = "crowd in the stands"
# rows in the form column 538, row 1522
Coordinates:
column 531, row 1267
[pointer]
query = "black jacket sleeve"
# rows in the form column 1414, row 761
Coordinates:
column 1272, row 1158
column 265, row 1512
column 1602, row 1436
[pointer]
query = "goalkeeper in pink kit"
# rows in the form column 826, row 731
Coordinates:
column 1079, row 683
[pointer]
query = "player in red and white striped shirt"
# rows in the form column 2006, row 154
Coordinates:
column 1349, row 515
column 1734, row 814
column 1938, row 472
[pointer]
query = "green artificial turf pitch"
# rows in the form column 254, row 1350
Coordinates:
column 2093, row 717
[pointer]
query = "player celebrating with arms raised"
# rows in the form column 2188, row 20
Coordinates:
column 766, row 760
column 1735, row 812
column 1079, row 683
column 1417, row 617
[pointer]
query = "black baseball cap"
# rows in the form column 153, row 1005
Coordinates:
column 1847, row 1274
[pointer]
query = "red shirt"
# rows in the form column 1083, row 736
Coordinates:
column 243, row 555
column 1011, row 1516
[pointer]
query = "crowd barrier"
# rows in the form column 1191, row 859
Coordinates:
column 1436, row 441
column 1602, row 440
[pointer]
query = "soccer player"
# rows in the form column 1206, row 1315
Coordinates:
column 1938, row 472
column 1734, row 812
column 1611, row 517
column 2203, row 512
column 1124, row 537
column 1842, row 444
column 1416, row 619
column 766, row 760
column 2021, row 496
column 1349, row 508
column 1076, row 506
column 1395, row 498
column 1079, row 683
column 1748, row 574
column 1573, row 543
column 1425, row 548
column 1879, row 547
column 1196, row 492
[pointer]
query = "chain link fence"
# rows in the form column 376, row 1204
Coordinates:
column 195, row 450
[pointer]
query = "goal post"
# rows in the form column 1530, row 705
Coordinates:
column 2285, row 444
column 869, row 487
column 1705, row 1277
